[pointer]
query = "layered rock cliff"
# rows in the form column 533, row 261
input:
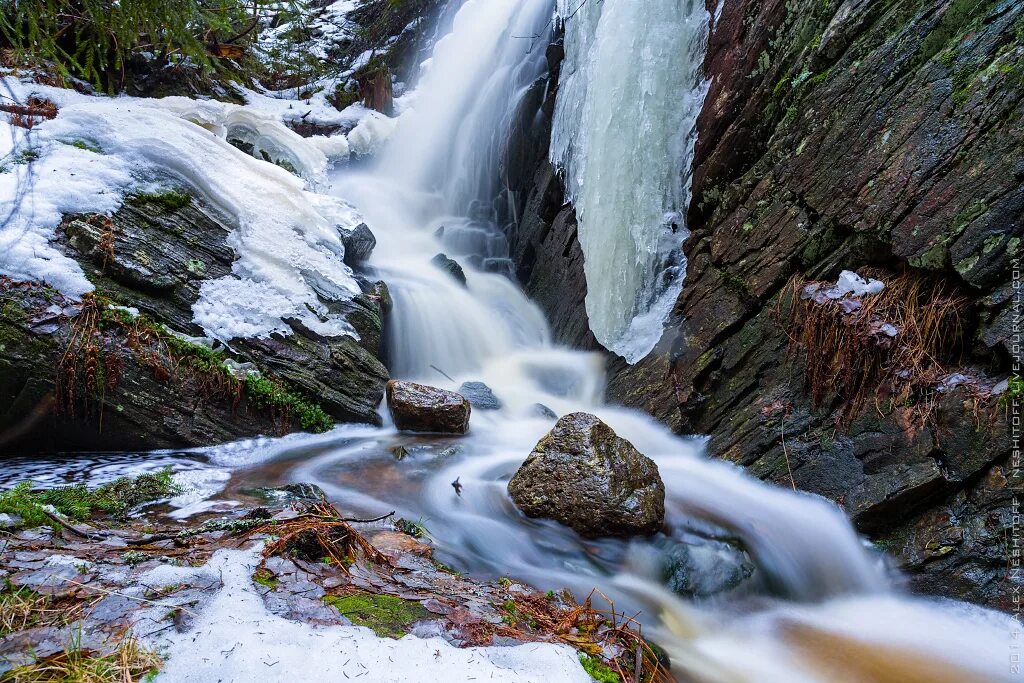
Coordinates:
column 842, row 136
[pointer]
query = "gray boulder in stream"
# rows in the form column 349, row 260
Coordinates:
column 422, row 408
column 585, row 476
column 480, row 396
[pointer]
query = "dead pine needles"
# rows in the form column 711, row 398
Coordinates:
column 889, row 348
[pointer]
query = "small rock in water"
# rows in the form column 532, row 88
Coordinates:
column 421, row 408
column 480, row 396
column 359, row 244
column 450, row 266
column 541, row 410
column 291, row 492
column 585, row 476
column 457, row 486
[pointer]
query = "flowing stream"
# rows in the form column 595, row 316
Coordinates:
column 778, row 585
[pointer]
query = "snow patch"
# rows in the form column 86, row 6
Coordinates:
column 239, row 639
column 290, row 253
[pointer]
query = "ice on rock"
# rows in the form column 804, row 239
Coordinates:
column 373, row 130
column 851, row 283
column 623, row 135
column 290, row 253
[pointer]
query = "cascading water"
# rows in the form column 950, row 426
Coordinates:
column 623, row 136
column 817, row 595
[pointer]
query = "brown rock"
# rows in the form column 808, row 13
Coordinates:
column 421, row 408
column 585, row 476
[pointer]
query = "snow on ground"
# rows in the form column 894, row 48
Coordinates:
column 99, row 149
column 235, row 638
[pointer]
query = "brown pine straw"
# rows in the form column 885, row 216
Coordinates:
column 321, row 532
column 596, row 632
column 848, row 358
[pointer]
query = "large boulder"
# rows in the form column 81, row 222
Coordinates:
column 585, row 476
column 421, row 408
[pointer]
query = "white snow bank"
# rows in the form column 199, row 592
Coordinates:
column 286, row 237
column 235, row 638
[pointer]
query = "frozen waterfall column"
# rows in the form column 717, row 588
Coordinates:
column 623, row 136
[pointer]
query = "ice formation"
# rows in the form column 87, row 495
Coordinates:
column 99, row 149
column 623, row 135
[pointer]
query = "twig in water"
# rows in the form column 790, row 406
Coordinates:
column 442, row 372
column 792, row 482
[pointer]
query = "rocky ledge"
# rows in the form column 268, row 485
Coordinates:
column 126, row 368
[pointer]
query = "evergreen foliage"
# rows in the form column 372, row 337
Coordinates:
column 98, row 40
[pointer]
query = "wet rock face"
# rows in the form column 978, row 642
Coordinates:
column 585, row 476
column 421, row 408
column 837, row 136
column 153, row 255
column 359, row 243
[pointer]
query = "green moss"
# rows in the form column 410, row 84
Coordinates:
column 117, row 498
column 597, row 669
column 263, row 577
column 168, row 200
column 201, row 360
column 386, row 615
column 20, row 158
column 86, row 145
column 267, row 393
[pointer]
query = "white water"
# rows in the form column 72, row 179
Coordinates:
column 623, row 136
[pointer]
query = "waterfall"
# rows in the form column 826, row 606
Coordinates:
column 434, row 187
column 623, row 136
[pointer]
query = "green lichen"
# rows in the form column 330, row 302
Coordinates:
column 966, row 265
column 597, row 669
column 385, row 615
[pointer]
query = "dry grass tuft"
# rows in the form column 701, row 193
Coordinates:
column 889, row 348
column 129, row 663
